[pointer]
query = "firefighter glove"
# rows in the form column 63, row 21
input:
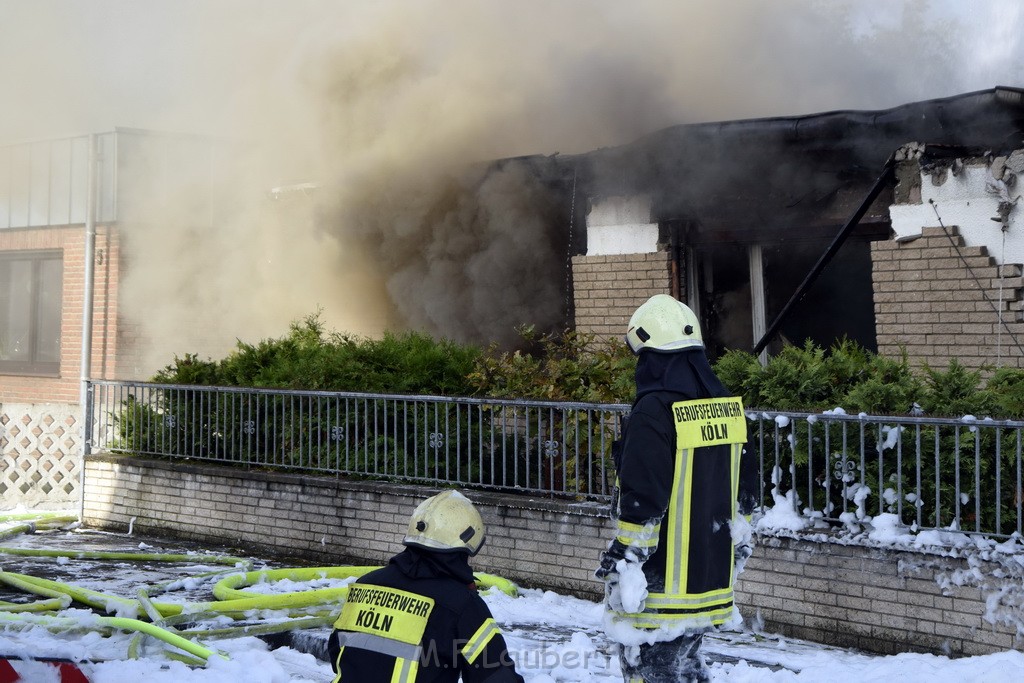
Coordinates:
column 609, row 558
column 625, row 586
column 742, row 552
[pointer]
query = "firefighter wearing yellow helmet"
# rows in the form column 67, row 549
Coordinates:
column 685, row 475
column 420, row 619
column 663, row 324
column 447, row 522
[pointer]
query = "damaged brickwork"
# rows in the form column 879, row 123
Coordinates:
column 940, row 300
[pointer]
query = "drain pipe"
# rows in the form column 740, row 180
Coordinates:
column 87, row 295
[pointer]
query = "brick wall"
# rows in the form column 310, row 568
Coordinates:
column 329, row 521
column 65, row 387
column 607, row 289
column 876, row 599
column 879, row 600
column 928, row 301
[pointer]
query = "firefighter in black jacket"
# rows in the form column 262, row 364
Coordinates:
column 682, row 466
column 420, row 619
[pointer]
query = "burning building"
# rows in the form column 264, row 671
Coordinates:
column 897, row 228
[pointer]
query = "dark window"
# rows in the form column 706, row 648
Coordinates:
column 30, row 301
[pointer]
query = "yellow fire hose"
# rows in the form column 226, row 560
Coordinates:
column 63, row 624
column 131, row 557
column 299, row 608
column 33, row 524
column 32, row 516
column 233, row 602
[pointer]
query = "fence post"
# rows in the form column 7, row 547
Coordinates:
column 87, row 413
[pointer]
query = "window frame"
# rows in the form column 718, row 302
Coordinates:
column 35, row 366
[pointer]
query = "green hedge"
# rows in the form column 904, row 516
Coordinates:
column 311, row 358
column 812, row 379
column 574, row 366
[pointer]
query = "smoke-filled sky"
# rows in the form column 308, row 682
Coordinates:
column 385, row 105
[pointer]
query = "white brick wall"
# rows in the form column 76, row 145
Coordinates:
column 877, row 600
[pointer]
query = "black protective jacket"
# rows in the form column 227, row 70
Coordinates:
column 678, row 496
column 419, row 619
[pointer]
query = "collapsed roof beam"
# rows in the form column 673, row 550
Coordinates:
column 886, row 178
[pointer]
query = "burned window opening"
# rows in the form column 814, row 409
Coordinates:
column 839, row 305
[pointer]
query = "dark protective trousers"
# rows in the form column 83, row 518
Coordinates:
column 673, row 661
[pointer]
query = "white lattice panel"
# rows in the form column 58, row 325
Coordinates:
column 40, row 454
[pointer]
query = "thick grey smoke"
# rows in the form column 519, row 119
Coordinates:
column 387, row 107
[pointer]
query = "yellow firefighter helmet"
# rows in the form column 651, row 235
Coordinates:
column 663, row 324
column 447, row 522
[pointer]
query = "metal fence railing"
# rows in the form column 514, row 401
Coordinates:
column 539, row 447
column 931, row 473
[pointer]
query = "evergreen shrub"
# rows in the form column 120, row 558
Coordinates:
column 574, row 367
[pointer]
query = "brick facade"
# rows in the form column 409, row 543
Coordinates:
column 939, row 299
column 607, row 289
column 326, row 520
column 881, row 600
column 886, row 601
column 70, row 240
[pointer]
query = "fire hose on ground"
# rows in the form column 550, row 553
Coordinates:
column 315, row 608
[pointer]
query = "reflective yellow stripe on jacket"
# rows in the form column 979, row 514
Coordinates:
column 385, row 620
column 699, row 424
column 643, row 537
column 478, row 642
